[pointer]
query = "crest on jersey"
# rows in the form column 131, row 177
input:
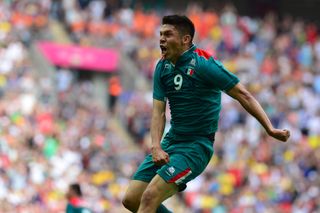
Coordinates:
column 190, row 71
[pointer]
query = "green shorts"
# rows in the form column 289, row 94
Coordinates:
column 189, row 156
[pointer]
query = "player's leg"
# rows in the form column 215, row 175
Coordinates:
column 156, row 192
column 133, row 195
column 187, row 161
column 169, row 180
column 144, row 174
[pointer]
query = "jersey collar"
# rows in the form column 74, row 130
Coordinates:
column 185, row 56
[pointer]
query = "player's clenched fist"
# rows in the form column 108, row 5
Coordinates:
column 280, row 134
column 159, row 156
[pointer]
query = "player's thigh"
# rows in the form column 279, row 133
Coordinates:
column 144, row 174
column 159, row 190
column 135, row 191
column 186, row 163
column 146, row 170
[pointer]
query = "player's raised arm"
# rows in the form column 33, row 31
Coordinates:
column 251, row 105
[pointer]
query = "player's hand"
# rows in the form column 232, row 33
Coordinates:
column 280, row 134
column 159, row 156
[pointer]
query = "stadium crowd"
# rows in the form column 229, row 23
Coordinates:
column 44, row 146
column 52, row 133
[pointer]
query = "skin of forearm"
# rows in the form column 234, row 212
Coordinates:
column 157, row 128
column 251, row 105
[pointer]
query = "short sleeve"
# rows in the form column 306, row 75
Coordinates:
column 158, row 88
column 217, row 75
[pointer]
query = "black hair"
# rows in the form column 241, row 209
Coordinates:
column 182, row 23
column 76, row 188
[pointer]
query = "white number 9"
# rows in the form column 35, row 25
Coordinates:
column 178, row 81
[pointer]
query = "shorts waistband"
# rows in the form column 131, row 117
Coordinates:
column 211, row 136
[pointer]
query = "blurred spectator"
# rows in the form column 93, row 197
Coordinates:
column 115, row 90
column 76, row 204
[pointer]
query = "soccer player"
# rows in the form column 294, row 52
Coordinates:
column 75, row 202
column 192, row 81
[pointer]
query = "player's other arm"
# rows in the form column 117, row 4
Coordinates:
column 158, row 122
column 251, row 105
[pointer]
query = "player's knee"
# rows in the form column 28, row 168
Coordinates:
column 148, row 197
column 130, row 202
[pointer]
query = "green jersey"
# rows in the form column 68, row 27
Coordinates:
column 193, row 88
column 75, row 205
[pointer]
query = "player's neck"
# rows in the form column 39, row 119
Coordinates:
column 183, row 50
column 174, row 59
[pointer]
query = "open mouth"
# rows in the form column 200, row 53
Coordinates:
column 163, row 49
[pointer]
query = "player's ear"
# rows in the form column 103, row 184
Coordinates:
column 186, row 39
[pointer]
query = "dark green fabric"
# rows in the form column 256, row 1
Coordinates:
column 193, row 88
column 163, row 209
column 188, row 156
column 73, row 209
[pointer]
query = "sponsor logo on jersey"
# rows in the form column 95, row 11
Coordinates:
column 193, row 62
column 170, row 171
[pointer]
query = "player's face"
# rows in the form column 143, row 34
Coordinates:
column 69, row 193
column 171, row 44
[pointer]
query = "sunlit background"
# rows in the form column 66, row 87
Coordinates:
column 76, row 99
